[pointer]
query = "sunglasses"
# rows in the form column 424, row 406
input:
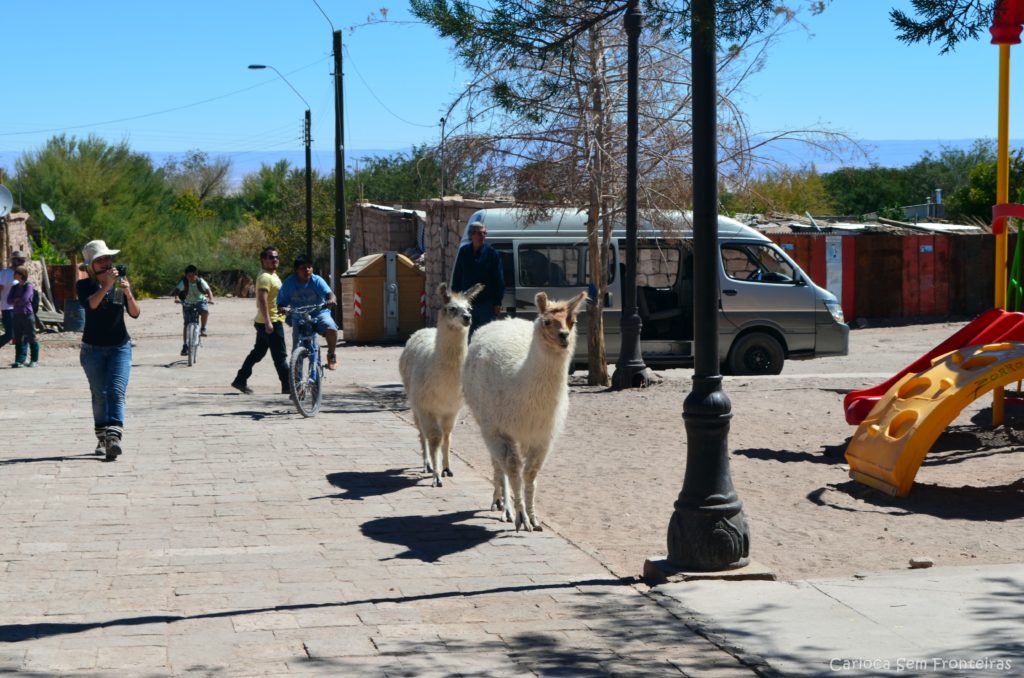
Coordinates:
column 272, row 257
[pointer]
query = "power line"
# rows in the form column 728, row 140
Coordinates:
column 165, row 111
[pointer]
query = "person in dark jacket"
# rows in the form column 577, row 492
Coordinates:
column 106, row 354
column 478, row 262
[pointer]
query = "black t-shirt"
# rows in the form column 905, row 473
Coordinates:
column 104, row 325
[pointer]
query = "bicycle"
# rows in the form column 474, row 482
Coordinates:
column 305, row 371
column 192, row 335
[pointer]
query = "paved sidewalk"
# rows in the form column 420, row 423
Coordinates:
column 234, row 537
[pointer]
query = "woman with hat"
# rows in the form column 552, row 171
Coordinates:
column 106, row 353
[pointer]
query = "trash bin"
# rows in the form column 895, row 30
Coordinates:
column 74, row 316
column 382, row 298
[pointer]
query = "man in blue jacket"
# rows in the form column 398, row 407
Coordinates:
column 478, row 262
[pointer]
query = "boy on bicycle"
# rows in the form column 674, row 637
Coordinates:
column 305, row 288
column 192, row 289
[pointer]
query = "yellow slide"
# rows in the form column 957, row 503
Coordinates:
column 893, row 439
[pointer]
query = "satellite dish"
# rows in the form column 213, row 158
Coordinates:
column 47, row 211
column 6, row 201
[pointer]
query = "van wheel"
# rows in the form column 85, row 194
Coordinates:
column 756, row 353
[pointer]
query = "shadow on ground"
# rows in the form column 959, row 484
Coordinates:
column 29, row 460
column 360, row 485
column 429, row 538
column 989, row 504
column 380, row 398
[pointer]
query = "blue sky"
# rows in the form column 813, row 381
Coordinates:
column 168, row 77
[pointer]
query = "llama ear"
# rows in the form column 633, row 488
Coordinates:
column 473, row 291
column 541, row 300
column 442, row 289
column 575, row 302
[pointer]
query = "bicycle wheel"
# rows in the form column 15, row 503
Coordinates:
column 193, row 343
column 304, row 375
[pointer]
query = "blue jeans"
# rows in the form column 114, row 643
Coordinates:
column 8, row 320
column 107, row 368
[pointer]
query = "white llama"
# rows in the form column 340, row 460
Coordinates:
column 431, row 369
column 516, row 383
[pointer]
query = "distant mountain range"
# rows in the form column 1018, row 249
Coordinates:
column 887, row 153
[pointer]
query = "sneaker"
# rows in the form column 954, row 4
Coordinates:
column 101, row 447
column 113, row 449
column 33, row 364
column 16, row 365
column 286, row 390
column 202, row 332
column 332, row 361
column 241, row 387
column 184, row 349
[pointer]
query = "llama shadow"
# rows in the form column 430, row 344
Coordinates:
column 429, row 538
column 359, row 485
column 983, row 504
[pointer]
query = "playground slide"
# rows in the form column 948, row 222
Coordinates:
column 990, row 327
column 890, row 444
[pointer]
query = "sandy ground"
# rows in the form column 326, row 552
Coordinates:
column 611, row 480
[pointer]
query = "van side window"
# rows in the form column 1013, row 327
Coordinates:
column 507, row 264
column 657, row 266
column 756, row 263
column 552, row 266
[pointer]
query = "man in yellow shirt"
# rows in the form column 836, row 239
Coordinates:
column 269, row 324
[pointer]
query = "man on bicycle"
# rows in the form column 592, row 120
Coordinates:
column 193, row 290
column 305, row 288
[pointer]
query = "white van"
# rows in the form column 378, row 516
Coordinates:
column 770, row 309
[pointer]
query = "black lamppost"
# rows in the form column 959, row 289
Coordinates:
column 708, row 530
column 309, row 175
column 630, row 370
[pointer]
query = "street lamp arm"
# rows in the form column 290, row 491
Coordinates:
column 260, row 67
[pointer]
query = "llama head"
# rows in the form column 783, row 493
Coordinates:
column 457, row 305
column 556, row 320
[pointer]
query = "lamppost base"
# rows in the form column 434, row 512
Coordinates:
column 707, row 539
column 633, row 376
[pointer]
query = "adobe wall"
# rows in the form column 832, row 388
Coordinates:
column 446, row 222
column 377, row 228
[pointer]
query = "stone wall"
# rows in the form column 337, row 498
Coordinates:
column 377, row 228
column 657, row 267
column 446, row 222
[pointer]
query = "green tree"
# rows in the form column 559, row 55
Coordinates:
column 98, row 190
column 974, row 199
column 859, row 190
column 787, row 190
column 947, row 22
column 550, row 77
column 407, row 177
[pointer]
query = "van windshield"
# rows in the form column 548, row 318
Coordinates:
column 757, row 263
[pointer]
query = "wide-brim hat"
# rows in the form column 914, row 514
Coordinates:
column 94, row 249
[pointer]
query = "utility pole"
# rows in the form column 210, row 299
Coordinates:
column 309, row 189
column 340, row 246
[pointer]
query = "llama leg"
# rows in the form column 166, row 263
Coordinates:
column 534, row 460
column 498, row 448
column 497, row 480
column 447, row 424
column 434, row 437
column 513, row 463
column 423, row 442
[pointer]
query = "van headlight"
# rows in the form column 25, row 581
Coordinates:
column 836, row 310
